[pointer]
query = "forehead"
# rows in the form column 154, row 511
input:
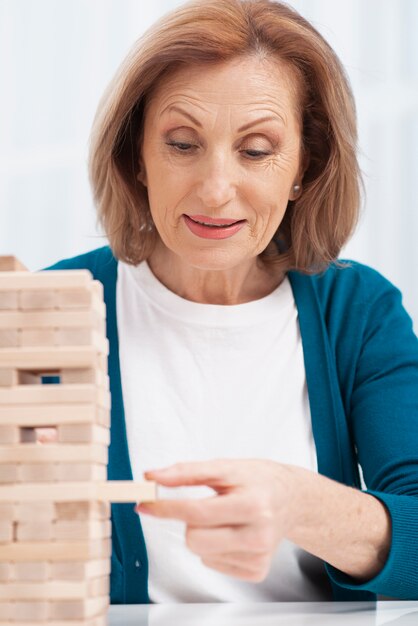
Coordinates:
column 241, row 83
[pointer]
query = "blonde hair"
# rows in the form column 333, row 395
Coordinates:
column 318, row 223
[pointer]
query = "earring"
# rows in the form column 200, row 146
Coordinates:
column 296, row 188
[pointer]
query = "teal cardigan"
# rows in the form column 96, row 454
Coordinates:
column 361, row 362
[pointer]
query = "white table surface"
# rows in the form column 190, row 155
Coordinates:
column 395, row 613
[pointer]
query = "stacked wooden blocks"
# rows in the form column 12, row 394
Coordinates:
column 54, row 499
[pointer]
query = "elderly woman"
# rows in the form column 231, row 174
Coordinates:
column 248, row 362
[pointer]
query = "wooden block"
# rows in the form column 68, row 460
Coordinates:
column 9, row 338
column 76, row 298
column 9, row 300
column 30, row 611
column 50, row 358
column 50, row 279
column 76, row 336
column 8, row 377
column 82, row 511
column 85, row 376
column 38, row 299
column 98, row 620
column 6, row 536
column 53, row 318
column 32, row 571
column 39, row 511
column 36, row 472
column 67, row 453
column 6, row 571
column 9, row 473
column 81, row 570
column 56, row 550
column 65, row 472
column 98, row 587
column 127, row 491
column 37, row 337
column 48, row 414
column 7, row 613
column 10, row 435
column 7, row 511
column 110, row 491
column 48, row 590
column 55, row 394
column 78, row 609
column 75, row 531
column 34, row 531
column 83, row 433
column 10, row 263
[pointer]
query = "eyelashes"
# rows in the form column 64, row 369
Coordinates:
column 188, row 149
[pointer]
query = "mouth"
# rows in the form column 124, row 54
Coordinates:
column 204, row 220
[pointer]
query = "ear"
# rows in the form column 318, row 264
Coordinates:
column 142, row 175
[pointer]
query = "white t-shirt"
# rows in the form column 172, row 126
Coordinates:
column 205, row 381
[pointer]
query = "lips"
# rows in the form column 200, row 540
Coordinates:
column 219, row 222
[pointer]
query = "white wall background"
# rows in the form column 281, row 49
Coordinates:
column 57, row 56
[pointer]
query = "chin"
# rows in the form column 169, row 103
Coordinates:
column 213, row 260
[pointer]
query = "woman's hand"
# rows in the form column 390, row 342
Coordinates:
column 238, row 530
column 259, row 503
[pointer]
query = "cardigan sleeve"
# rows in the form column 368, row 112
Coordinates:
column 384, row 422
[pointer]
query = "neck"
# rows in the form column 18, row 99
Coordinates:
column 246, row 282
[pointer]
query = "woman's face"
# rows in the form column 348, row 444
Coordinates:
column 221, row 146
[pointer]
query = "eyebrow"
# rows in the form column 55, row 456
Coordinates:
column 244, row 127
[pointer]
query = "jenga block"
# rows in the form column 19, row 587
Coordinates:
column 110, row 491
column 98, row 620
column 37, row 298
column 84, row 376
column 8, row 377
column 78, row 609
column 56, row 550
column 83, row 433
column 31, row 611
column 36, row 472
column 32, row 571
column 83, row 511
column 47, row 590
column 7, row 613
column 37, row 337
column 52, row 318
column 75, row 337
column 9, row 338
column 6, row 535
column 51, row 279
column 9, row 473
column 65, row 472
column 55, row 394
column 39, row 511
column 8, row 434
column 7, row 511
column 6, row 571
column 98, row 586
column 79, row 570
column 75, row 531
column 34, row 531
column 9, row 300
column 76, row 298
column 48, row 414
column 9, row 263
column 67, row 453
column 51, row 358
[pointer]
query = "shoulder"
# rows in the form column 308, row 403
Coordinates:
column 99, row 261
column 354, row 285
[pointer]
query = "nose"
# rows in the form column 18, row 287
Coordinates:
column 216, row 186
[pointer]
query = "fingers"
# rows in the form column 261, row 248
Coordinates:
column 214, row 511
column 218, row 474
column 239, row 566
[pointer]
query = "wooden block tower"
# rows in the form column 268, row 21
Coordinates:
column 55, row 542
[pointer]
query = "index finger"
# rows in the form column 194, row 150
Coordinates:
column 214, row 511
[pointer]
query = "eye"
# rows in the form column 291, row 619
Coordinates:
column 256, row 154
column 180, row 146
